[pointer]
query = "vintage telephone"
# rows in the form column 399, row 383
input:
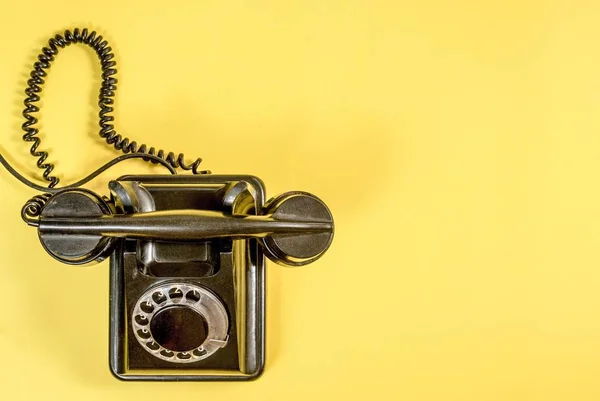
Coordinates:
column 187, row 266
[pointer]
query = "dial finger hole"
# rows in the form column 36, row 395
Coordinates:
column 141, row 320
column 166, row 353
column 175, row 294
column 199, row 352
column 184, row 355
column 143, row 333
column 193, row 296
column 158, row 297
column 147, row 307
column 152, row 345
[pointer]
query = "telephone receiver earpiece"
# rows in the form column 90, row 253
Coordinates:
column 76, row 226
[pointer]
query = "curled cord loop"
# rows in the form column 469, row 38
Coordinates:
column 33, row 208
column 105, row 102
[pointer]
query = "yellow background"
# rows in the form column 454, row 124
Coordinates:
column 456, row 142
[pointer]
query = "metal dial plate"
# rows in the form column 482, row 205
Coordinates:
column 191, row 296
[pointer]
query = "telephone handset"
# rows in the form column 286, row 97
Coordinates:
column 187, row 252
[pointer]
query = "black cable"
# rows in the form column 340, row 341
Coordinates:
column 89, row 177
column 105, row 102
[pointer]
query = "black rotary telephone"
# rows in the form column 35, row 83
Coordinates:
column 187, row 252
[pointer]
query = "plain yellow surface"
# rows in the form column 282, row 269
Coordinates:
column 456, row 142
